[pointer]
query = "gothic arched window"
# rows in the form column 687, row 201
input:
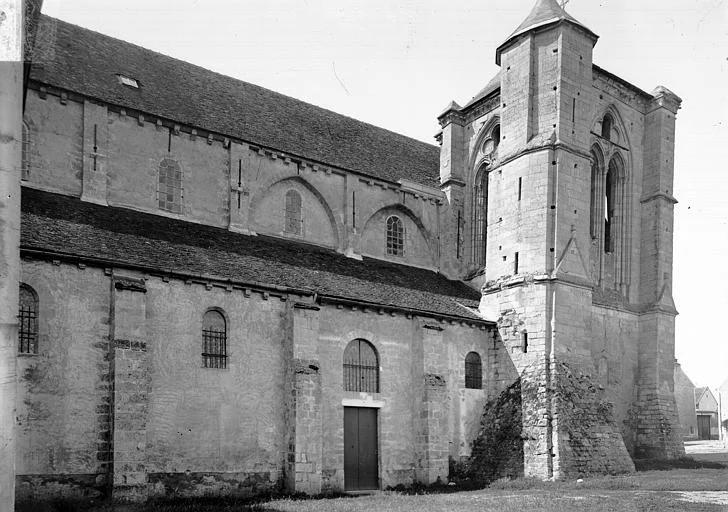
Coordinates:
column 607, row 123
column 496, row 135
column 27, row 320
column 169, row 192
column 480, row 217
column 395, row 236
column 214, row 340
column 293, row 219
column 596, row 194
column 361, row 367
column 473, row 371
column 608, row 209
column 25, row 162
column 613, row 192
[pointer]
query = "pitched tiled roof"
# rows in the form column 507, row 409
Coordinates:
column 86, row 62
column 492, row 86
column 65, row 225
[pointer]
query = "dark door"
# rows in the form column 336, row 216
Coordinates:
column 360, row 449
column 703, row 426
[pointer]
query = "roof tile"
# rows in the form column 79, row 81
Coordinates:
column 65, row 225
column 86, row 62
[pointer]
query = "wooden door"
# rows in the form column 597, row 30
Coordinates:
column 703, row 426
column 361, row 460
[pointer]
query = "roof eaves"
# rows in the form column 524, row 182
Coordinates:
column 541, row 25
column 622, row 81
column 419, row 312
column 170, row 122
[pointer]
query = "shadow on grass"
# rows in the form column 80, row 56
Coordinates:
column 197, row 504
column 681, row 463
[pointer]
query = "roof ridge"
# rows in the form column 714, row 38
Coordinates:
column 229, row 77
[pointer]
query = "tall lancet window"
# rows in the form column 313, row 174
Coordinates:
column 613, row 204
column 595, row 210
column 609, row 210
column 480, row 216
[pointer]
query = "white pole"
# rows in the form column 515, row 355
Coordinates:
column 11, row 106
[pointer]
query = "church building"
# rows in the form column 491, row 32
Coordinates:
column 226, row 290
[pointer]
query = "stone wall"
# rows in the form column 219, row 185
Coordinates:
column 64, row 391
column 685, row 403
column 118, row 402
column 107, row 155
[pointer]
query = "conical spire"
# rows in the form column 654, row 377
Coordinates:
column 545, row 12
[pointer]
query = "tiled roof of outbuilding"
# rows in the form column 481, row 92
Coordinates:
column 64, row 225
column 86, row 62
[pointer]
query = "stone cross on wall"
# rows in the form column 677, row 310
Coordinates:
column 563, row 3
column 238, row 188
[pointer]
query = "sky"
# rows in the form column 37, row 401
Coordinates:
column 398, row 63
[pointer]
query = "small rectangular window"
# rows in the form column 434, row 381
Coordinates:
column 130, row 82
column 524, row 342
column 515, row 263
column 520, row 185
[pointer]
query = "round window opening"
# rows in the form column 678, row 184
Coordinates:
column 488, row 146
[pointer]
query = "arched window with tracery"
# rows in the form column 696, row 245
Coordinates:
column 27, row 320
column 293, row 218
column 395, row 236
column 480, row 217
column 214, row 340
column 607, row 123
column 473, row 371
column 361, row 367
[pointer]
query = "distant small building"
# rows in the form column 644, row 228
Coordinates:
column 685, row 401
column 706, row 410
column 723, row 410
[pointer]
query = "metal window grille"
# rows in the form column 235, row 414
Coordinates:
column 293, row 222
column 214, row 340
column 28, row 321
column 473, row 371
column 361, row 367
column 169, row 192
column 395, row 236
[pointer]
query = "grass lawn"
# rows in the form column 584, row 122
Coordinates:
column 677, row 490
column 703, row 490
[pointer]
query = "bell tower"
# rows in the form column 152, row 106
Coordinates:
column 538, row 281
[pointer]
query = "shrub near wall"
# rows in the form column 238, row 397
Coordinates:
column 497, row 451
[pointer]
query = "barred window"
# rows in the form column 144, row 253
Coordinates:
column 293, row 218
column 395, row 236
column 473, row 371
column 214, row 340
column 169, row 192
column 28, row 321
column 361, row 367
